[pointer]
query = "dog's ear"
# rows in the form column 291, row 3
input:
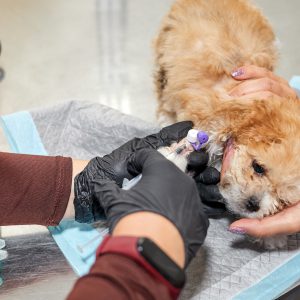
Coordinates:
column 256, row 121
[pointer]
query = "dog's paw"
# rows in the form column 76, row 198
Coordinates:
column 178, row 153
column 273, row 243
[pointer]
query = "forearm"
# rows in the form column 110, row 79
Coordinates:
column 157, row 228
column 114, row 276
column 117, row 277
column 34, row 189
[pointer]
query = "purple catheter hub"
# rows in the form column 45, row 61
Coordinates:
column 202, row 138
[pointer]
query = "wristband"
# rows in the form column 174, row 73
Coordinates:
column 148, row 255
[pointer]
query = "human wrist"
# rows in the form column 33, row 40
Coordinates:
column 148, row 256
column 77, row 167
column 86, row 210
column 157, row 228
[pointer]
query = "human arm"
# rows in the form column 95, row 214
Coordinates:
column 116, row 276
column 77, row 167
column 34, row 189
column 257, row 82
column 38, row 189
column 30, row 189
column 164, row 206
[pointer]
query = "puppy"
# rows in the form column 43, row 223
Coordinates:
column 255, row 143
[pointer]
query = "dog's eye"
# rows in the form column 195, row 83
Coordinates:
column 258, row 168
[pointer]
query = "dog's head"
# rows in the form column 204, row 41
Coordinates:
column 261, row 162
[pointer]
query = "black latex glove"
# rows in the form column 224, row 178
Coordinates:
column 207, row 179
column 114, row 167
column 164, row 189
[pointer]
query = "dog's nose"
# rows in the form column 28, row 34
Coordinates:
column 252, row 204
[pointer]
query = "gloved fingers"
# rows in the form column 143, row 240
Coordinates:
column 106, row 191
column 143, row 158
column 197, row 161
column 209, row 176
column 212, row 200
column 175, row 132
column 214, row 209
column 209, row 193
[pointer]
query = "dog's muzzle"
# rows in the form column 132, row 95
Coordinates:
column 252, row 204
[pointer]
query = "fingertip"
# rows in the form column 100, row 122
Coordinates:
column 247, row 226
column 209, row 176
column 237, row 73
column 198, row 160
column 138, row 159
column 246, row 72
column 186, row 126
column 175, row 132
column 246, row 223
column 189, row 123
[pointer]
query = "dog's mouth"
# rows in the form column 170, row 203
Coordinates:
column 227, row 156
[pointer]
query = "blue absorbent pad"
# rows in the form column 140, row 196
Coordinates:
column 21, row 134
column 78, row 242
column 227, row 266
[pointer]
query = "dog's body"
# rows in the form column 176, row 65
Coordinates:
column 200, row 43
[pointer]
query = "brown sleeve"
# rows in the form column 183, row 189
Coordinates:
column 33, row 189
column 117, row 277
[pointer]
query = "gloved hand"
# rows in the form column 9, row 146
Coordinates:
column 164, row 190
column 114, row 167
column 206, row 179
